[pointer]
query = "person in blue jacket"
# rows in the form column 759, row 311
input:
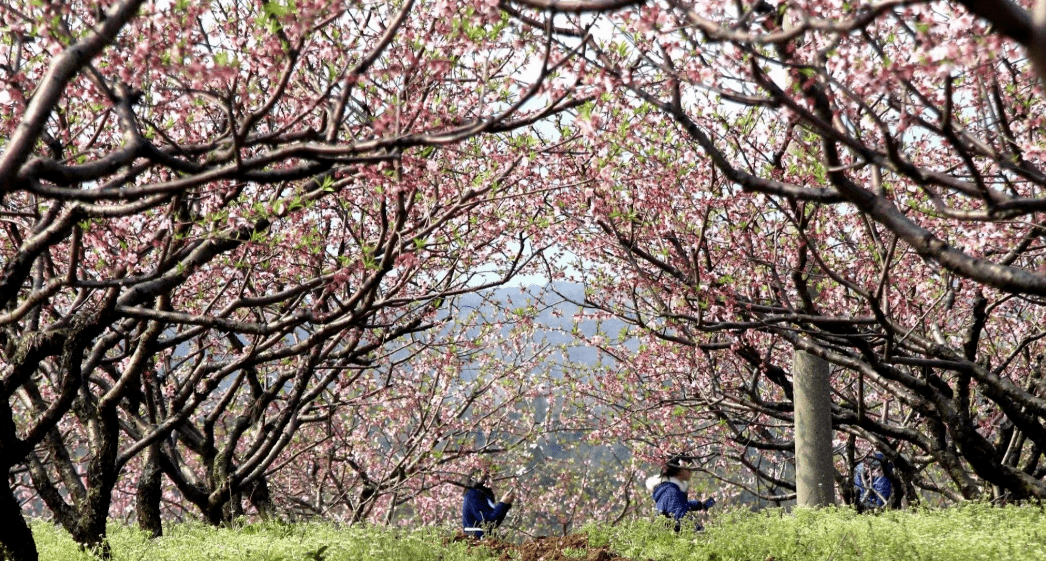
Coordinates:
column 872, row 482
column 669, row 490
column 479, row 513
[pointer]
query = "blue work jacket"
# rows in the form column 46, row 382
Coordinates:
column 479, row 513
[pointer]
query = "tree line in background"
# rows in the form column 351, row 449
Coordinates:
column 238, row 237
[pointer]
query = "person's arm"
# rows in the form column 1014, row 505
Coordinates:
column 500, row 510
column 497, row 516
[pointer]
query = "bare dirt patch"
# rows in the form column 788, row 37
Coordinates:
column 574, row 547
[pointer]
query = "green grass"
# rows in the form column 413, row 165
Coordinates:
column 970, row 532
column 966, row 533
column 263, row 542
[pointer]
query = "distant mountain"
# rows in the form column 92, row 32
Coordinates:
column 557, row 311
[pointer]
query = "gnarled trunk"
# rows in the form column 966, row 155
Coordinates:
column 148, row 494
column 16, row 540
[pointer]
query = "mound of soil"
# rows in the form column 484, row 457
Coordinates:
column 546, row 549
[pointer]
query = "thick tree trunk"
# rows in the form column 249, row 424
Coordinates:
column 91, row 531
column 148, row 494
column 16, row 539
column 223, row 503
column 261, row 499
column 814, row 470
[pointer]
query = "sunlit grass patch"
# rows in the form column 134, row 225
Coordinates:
column 964, row 533
column 266, row 542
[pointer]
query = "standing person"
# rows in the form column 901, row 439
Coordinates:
column 669, row 490
column 479, row 513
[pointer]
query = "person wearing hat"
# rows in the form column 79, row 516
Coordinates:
column 669, row 490
column 479, row 513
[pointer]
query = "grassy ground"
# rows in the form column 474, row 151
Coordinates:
column 265, row 542
column 971, row 532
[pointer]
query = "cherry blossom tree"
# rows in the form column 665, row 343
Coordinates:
column 859, row 181
column 233, row 229
column 401, row 443
column 223, row 219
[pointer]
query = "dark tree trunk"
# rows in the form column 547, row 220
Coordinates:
column 101, row 479
column 234, row 507
column 219, row 512
column 224, row 502
column 900, row 481
column 261, row 499
column 148, row 494
column 847, row 492
column 16, row 539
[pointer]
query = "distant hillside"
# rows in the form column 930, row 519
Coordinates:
column 558, row 297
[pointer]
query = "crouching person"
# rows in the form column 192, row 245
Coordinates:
column 669, row 490
column 479, row 513
column 872, row 482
